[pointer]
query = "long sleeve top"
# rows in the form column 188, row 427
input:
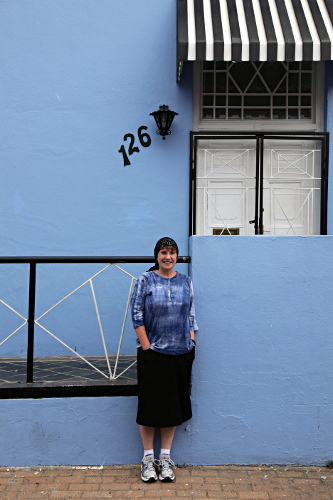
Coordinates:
column 165, row 307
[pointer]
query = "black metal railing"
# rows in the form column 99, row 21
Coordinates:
column 34, row 261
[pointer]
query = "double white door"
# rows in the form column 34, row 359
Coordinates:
column 260, row 185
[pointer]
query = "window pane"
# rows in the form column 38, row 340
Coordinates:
column 208, row 83
column 306, row 114
column 256, row 114
column 257, row 100
column 282, row 88
column 220, row 113
column 279, row 100
column 221, row 82
column 273, row 73
column 293, row 101
column 232, row 88
column 306, row 82
column 242, row 73
column 221, row 65
column 294, row 66
column 293, row 86
column 293, row 114
column 208, row 65
column 220, row 100
column 279, row 114
column 208, row 113
column 306, row 65
column 234, row 114
column 235, row 101
column 258, row 86
column 207, row 100
column 306, row 100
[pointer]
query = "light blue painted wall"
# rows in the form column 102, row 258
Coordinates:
column 76, row 76
column 262, row 378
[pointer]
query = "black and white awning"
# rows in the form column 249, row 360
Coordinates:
column 255, row 30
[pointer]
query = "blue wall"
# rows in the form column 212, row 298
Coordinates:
column 264, row 366
column 262, row 379
column 78, row 75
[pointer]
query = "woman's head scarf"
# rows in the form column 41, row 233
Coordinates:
column 162, row 243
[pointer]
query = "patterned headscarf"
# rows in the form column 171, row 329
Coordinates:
column 165, row 242
column 162, row 243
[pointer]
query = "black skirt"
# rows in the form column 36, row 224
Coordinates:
column 164, row 387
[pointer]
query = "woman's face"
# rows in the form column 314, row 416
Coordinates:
column 167, row 258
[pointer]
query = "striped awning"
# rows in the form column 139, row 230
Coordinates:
column 255, row 30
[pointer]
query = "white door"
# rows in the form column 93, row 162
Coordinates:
column 291, row 187
column 226, row 182
column 235, row 181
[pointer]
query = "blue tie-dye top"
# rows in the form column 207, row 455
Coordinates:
column 165, row 307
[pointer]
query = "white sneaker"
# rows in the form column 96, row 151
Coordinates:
column 165, row 467
column 148, row 472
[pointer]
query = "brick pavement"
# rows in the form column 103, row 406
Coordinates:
column 195, row 483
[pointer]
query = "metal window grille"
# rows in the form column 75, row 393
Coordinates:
column 257, row 90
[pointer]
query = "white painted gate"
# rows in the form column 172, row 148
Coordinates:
column 263, row 185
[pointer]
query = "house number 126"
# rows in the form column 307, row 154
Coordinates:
column 144, row 140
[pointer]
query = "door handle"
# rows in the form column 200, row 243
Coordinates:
column 252, row 221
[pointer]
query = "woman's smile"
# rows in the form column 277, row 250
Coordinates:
column 166, row 258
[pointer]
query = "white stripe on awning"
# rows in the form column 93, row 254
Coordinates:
column 256, row 30
column 261, row 31
column 226, row 30
column 327, row 21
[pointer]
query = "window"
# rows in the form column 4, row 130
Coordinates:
column 257, row 90
column 258, row 95
column 259, row 158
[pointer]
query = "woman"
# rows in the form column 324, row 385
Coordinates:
column 163, row 318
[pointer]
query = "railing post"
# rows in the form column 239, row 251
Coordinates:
column 31, row 322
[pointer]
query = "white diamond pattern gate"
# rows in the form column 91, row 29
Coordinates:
column 226, row 186
column 291, row 188
column 262, row 184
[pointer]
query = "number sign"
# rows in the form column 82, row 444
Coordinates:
column 144, row 140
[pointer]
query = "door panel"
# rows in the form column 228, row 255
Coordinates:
column 291, row 187
column 226, row 186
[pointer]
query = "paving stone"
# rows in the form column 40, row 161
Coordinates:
column 192, row 483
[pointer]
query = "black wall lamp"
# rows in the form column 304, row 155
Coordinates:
column 163, row 118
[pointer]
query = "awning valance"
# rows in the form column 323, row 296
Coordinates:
column 255, row 30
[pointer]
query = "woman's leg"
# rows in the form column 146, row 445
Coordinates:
column 148, row 468
column 166, row 472
column 147, row 436
column 167, row 434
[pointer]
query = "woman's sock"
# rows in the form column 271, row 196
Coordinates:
column 148, row 452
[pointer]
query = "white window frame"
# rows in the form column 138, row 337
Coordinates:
column 314, row 125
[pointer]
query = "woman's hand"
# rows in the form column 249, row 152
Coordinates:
column 192, row 335
column 143, row 338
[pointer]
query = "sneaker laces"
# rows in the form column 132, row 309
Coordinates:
column 149, row 463
column 165, row 461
